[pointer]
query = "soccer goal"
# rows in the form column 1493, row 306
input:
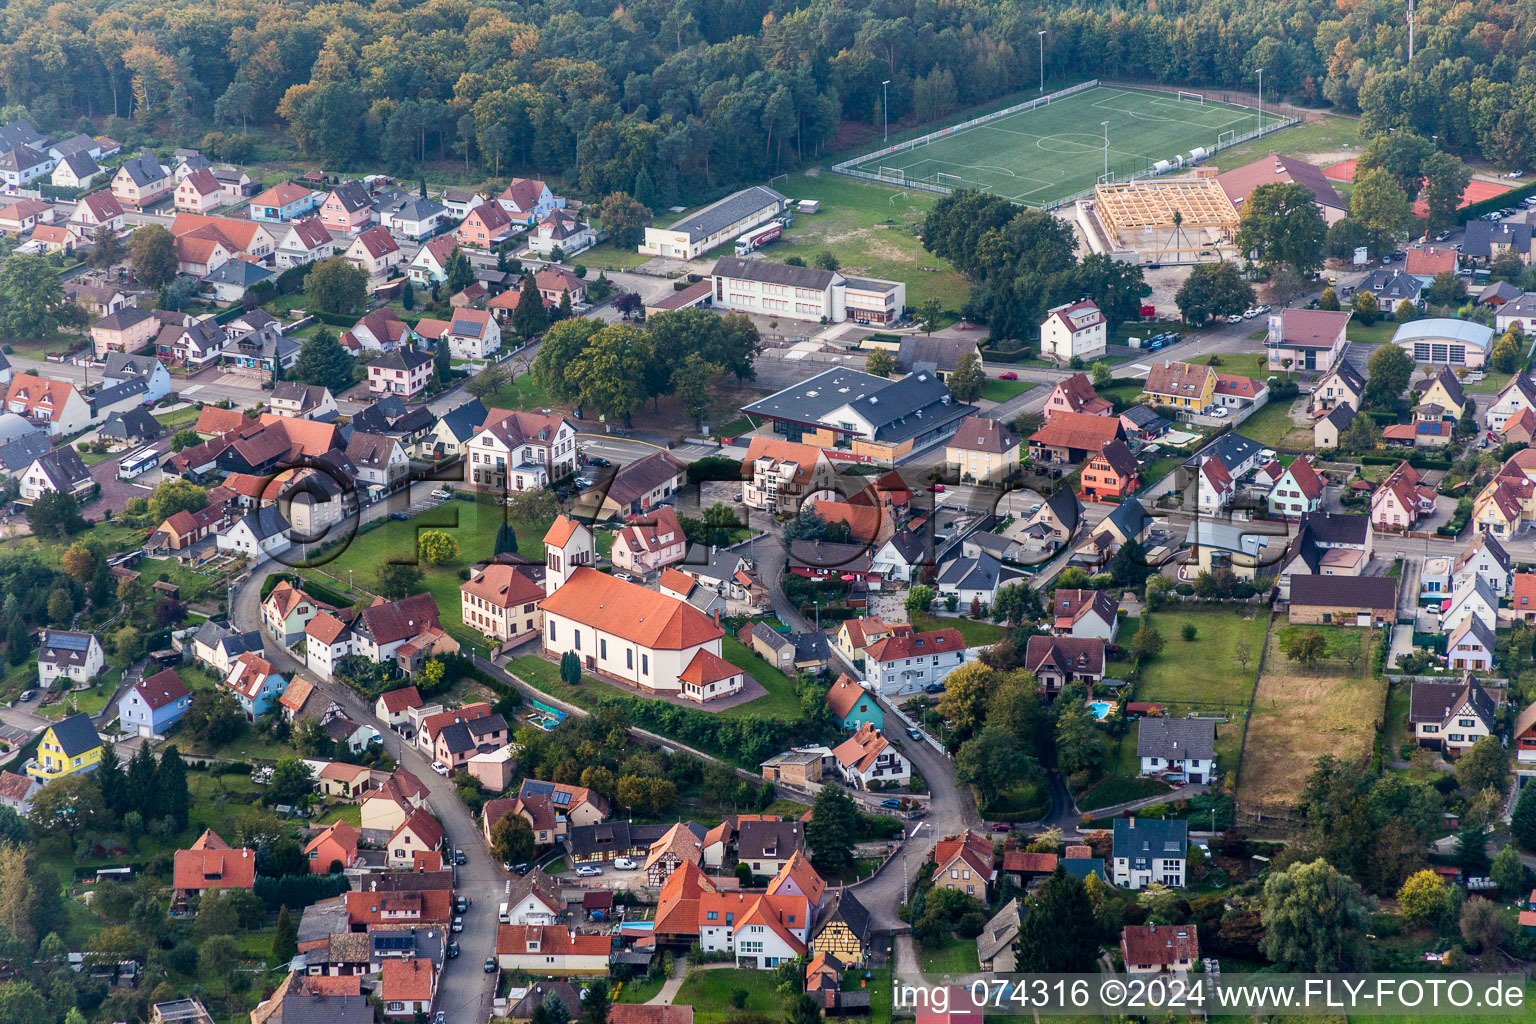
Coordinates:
column 1226, row 138
column 948, row 180
column 1191, row 97
column 893, row 173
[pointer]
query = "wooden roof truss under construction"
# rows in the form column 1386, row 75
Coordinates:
column 1136, row 211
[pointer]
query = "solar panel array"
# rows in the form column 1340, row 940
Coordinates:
column 469, row 327
column 69, row 641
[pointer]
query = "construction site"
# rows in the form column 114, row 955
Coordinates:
column 1162, row 220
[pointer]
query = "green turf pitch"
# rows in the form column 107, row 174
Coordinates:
column 1045, row 154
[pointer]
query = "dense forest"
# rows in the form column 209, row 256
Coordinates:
column 663, row 99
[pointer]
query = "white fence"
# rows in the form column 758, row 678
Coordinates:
column 850, row 168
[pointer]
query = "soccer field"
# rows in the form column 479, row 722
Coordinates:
column 1040, row 156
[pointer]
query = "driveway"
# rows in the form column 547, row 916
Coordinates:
column 116, row 492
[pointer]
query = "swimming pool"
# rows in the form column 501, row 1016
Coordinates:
column 1100, row 708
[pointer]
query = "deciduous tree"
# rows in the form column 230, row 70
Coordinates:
column 152, row 251
column 335, row 286
column 1213, row 289
column 1315, row 919
column 1281, row 225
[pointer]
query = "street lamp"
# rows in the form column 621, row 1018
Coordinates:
column 1042, row 61
column 1105, row 125
column 885, row 107
column 1261, row 100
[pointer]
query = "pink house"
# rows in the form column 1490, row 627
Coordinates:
column 349, row 208
column 1401, row 500
column 650, row 544
column 1076, row 394
column 199, row 192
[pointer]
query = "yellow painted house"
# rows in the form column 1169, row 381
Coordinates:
column 1446, row 392
column 69, row 747
column 1180, row 386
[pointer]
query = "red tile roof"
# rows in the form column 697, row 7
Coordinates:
column 552, row 940
column 911, row 645
column 1078, row 430
column 403, row 978
column 1429, row 262
column 630, row 612
column 1159, row 944
column 502, row 586
column 214, row 869
column 161, row 689
column 844, row 694
column 403, row 699
column 1022, row 861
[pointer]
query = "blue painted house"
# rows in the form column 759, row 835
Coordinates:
column 285, row 202
column 255, row 685
column 853, row 706
column 154, row 705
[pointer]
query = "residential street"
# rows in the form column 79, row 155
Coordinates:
column 465, row 992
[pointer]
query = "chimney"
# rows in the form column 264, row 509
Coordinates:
column 1131, row 821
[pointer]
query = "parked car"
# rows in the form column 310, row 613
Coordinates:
column 1010, row 375
column 934, row 688
column 460, row 904
column 1220, row 412
column 624, row 864
column 1001, row 826
column 442, row 493
column 27, row 695
column 1249, row 314
column 453, row 951
column 521, row 869
column 915, row 733
column 440, row 768
column 598, row 461
column 1235, row 318
column 936, row 488
column 490, row 968
column 400, row 517
column 588, row 871
column 458, row 924
column 459, row 858
column 626, row 577
column 892, row 804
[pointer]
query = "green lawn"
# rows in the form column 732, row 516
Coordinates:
column 194, row 585
column 975, row 632
column 613, row 257
column 1491, row 384
column 995, row 390
column 640, row 990
column 92, row 701
column 1119, row 789
column 709, row 993
column 1272, row 424
column 1376, row 334
column 352, row 814
column 1203, row 671
column 175, row 419
column 1326, row 134
column 523, row 393
column 780, row 702
column 955, row 956
column 872, row 230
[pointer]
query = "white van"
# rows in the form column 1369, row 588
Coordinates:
column 503, row 916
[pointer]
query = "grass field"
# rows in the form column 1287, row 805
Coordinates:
column 1203, row 671
column 955, row 956
column 872, row 230
column 975, row 632
column 995, row 390
column 1043, row 155
column 709, row 993
column 1300, row 714
column 1271, row 425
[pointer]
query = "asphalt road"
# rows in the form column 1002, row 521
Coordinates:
column 465, row 991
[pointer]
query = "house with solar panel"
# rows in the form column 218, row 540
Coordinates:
column 70, row 655
column 68, row 748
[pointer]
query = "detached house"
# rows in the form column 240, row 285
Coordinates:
column 515, row 451
column 1451, row 716
column 153, row 705
column 1111, row 473
column 1159, row 949
column 963, row 863
column 254, row 684
column 405, row 372
column 306, row 241
column 1178, row 746
column 199, row 192
column 484, row 227
column 1486, row 558
column 380, row 331
column 852, row 706
column 1298, row 491
column 1057, row 661
column 529, row 200
column 52, row 404
column 1149, row 850
column 97, row 211
column 59, row 470
column 983, row 450
column 867, row 757
column 142, row 181
column 284, row 202
column 502, row 603
column 650, row 544
column 908, row 662
column 1072, row 437
column 1306, row 339
column 1076, row 394
column 473, row 334
column 1401, row 500
column 1085, row 614
column 66, row 654
column 130, row 329
column 374, row 252
column 1074, row 330
column 1340, row 386
column 348, row 209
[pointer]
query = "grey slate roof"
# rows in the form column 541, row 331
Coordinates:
column 462, row 421
column 1363, row 592
column 1481, row 235
column 134, row 425
column 239, row 272
column 810, row 400
column 21, row 450
column 1145, row 839
column 1176, row 739
column 76, row 734
column 120, row 392
column 236, row 644
column 122, row 365
column 122, row 319
column 1129, row 517
column 64, row 468
column 1231, row 448
column 1341, row 416
column 774, row 273
column 1391, row 284
column 980, row 573
column 82, row 164
column 1438, row 702
column 266, row 522
column 812, row 646
column 727, row 211
column 1336, row 529
column 143, row 169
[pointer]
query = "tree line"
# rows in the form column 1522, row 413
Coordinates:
column 660, row 100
